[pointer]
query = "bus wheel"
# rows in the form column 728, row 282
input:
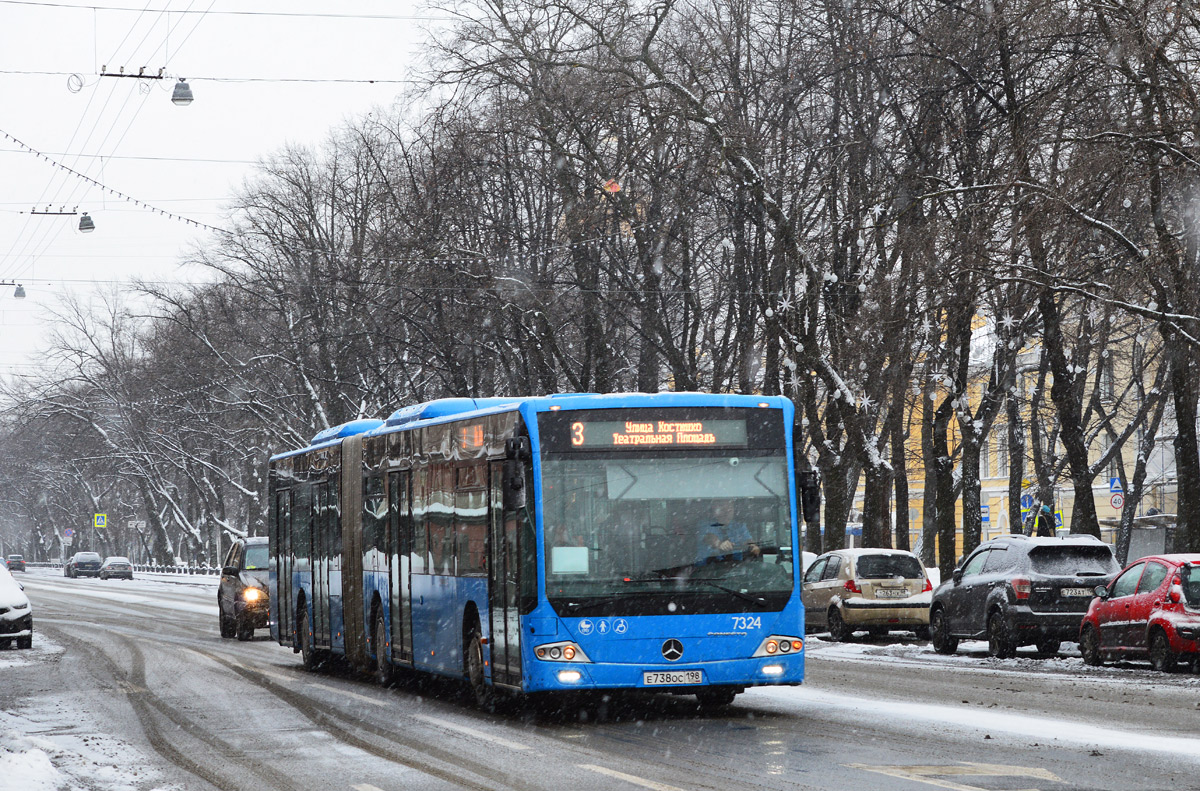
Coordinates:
column 484, row 694
column 383, row 663
column 715, row 697
column 307, row 653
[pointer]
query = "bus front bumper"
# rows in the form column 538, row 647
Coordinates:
column 785, row 670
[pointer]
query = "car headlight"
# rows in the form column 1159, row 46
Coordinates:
column 252, row 594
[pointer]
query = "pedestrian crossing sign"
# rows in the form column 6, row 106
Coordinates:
column 99, row 520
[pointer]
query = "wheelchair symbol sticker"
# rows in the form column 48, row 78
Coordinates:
column 620, row 626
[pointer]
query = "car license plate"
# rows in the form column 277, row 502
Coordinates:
column 1078, row 592
column 891, row 593
column 657, row 679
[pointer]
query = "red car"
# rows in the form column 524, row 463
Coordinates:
column 1152, row 609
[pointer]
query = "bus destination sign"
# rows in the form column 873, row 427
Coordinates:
column 588, row 434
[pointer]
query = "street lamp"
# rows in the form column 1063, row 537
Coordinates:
column 18, row 292
column 182, row 95
column 86, row 224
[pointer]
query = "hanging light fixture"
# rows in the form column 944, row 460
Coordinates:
column 19, row 292
column 183, row 93
column 86, row 224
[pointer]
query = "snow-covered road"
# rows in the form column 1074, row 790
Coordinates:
column 129, row 688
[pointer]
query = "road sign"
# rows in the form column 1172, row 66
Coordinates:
column 1058, row 522
column 99, row 520
column 68, row 532
column 67, row 541
column 1114, row 486
column 985, row 513
column 1117, row 501
column 1027, row 501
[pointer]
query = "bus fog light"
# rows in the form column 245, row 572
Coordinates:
column 772, row 670
column 571, row 676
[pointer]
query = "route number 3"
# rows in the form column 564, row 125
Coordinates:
column 577, row 434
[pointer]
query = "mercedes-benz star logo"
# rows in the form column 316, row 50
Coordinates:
column 672, row 650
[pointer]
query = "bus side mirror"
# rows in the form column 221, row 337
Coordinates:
column 514, row 485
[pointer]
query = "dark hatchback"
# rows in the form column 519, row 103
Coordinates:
column 242, row 601
column 83, row 564
column 1017, row 590
column 16, row 563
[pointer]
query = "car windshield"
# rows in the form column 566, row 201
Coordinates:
column 256, row 557
column 873, row 567
column 1191, row 584
column 629, row 527
column 1078, row 561
column 86, row 556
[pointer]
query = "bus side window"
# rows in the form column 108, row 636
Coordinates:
column 420, row 501
column 439, row 516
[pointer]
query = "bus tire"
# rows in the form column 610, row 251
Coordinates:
column 308, row 654
column 383, row 663
column 473, row 659
column 715, row 697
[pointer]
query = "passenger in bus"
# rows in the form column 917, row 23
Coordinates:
column 723, row 535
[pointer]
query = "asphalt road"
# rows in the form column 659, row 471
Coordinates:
column 145, row 663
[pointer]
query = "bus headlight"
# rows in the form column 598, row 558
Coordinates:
column 779, row 644
column 560, row 652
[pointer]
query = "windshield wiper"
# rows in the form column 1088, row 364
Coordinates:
column 759, row 600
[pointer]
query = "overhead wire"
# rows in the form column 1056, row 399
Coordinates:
column 40, row 243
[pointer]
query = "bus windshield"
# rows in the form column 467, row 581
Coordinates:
column 667, row 533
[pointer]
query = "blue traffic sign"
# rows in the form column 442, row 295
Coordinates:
column 1027, row 501
column 68, row 532
column 1115, row 487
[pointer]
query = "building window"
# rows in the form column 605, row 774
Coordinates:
column 1002, row 452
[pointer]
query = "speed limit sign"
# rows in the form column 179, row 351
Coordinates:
column 1117, row 501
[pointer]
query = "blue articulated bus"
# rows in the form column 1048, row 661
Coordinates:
column 557, row 543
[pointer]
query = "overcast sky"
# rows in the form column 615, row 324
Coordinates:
column 264, row 74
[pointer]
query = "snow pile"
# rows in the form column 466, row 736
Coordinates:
column 25, row 765
column 52, row 746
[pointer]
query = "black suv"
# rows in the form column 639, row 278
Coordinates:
column 82, row 564
column 242, row 601
column 1016, row 590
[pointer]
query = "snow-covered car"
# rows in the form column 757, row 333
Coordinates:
column 242, row 601
column 16, row 562
column 116, row 567
column 879, row 590
column 16, row 616
column 1151, row 610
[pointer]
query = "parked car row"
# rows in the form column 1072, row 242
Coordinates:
column 1014, row 591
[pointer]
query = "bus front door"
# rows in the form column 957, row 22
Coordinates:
column 503, row 585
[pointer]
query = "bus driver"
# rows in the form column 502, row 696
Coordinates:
column 723, row 535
